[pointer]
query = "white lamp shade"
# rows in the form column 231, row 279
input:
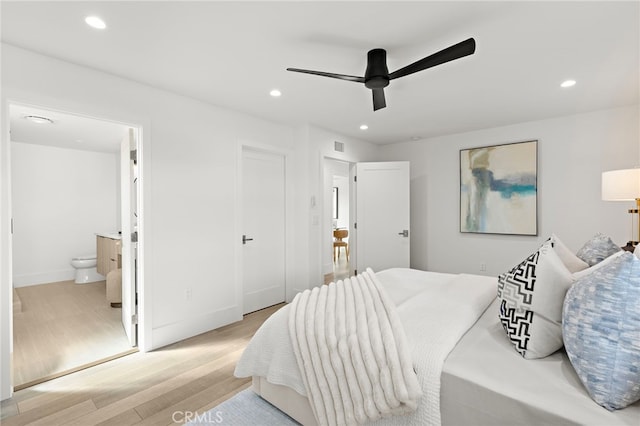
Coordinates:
column 621, row 185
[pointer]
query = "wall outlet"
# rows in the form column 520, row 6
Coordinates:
column 483, row 267
column 188, row 293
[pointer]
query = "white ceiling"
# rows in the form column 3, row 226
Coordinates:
column 67, row 130
column 233, row 53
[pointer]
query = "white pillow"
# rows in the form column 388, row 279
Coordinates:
column 581, row 274
column 531, row 297
column 570, row 260
column 637, row 251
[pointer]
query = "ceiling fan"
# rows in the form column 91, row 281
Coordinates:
column 377, row 76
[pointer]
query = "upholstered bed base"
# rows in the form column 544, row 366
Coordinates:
column 286, row 400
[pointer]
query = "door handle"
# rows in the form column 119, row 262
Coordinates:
column 404, row 233
column 245, row 239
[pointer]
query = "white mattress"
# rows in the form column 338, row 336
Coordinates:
column 486, row 382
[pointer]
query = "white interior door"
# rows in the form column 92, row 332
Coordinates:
column 128, row 195
column 382, row 215
column 263, row 205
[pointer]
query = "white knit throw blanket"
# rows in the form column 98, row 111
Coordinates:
column 352, row 352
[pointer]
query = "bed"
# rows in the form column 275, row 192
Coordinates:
column 482, row 379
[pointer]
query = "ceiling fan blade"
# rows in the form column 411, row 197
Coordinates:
column 378, row 99
column 460, row 50
column 329, row 74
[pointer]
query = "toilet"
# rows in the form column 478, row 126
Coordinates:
column 86, row 269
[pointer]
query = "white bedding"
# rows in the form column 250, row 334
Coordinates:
column 270, row 353
column 483, row 381
column 486, row 382
column 435, row 309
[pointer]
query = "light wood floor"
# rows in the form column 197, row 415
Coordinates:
column 340, row 269
column 143, row 388
column 63, row 326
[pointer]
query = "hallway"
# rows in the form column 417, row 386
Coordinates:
column 340, row 269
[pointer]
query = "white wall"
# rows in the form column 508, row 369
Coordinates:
column 190, row 231
column 342, row 183
column 573, row 151
column 61, row 198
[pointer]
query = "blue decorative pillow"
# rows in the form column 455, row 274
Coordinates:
column 531, row 296
column 597, row 249
column 601, row 331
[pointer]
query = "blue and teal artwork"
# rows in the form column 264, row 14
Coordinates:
column 498, row 189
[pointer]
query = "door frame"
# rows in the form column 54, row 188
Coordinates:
column 6, row 249
column 326, row 217
column 289, row 242
column 129, row 246
column 326, row 241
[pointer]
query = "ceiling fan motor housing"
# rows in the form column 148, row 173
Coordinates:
column 377, row 74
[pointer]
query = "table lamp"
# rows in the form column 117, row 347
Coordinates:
column 623, row 185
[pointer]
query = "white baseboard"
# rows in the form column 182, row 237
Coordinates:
column 26, row 280
column 194, row 325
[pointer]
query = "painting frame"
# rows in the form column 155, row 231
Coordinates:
column 499, row 189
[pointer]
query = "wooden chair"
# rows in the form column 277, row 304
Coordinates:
column 338, row 235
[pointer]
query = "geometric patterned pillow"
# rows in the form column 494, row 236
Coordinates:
column 531, row 296
column 601, row 330
column 597, row 249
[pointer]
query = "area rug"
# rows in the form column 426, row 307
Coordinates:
column 244, row 409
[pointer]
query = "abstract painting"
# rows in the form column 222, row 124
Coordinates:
column 499, row 189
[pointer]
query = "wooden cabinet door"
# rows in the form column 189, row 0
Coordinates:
column 107, row 258
column 113, row 254
column 100, row 256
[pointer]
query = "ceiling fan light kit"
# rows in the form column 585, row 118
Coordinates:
column 377, row 76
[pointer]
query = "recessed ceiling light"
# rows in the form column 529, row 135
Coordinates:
column 275, row 93
column 38, row 119
column 568, row 83
column 95, row 22
column 364, row 127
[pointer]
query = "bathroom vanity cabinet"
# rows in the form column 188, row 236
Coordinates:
column 109, row 254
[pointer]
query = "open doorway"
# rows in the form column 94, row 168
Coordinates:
column 337, row 213
column 66, row 193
